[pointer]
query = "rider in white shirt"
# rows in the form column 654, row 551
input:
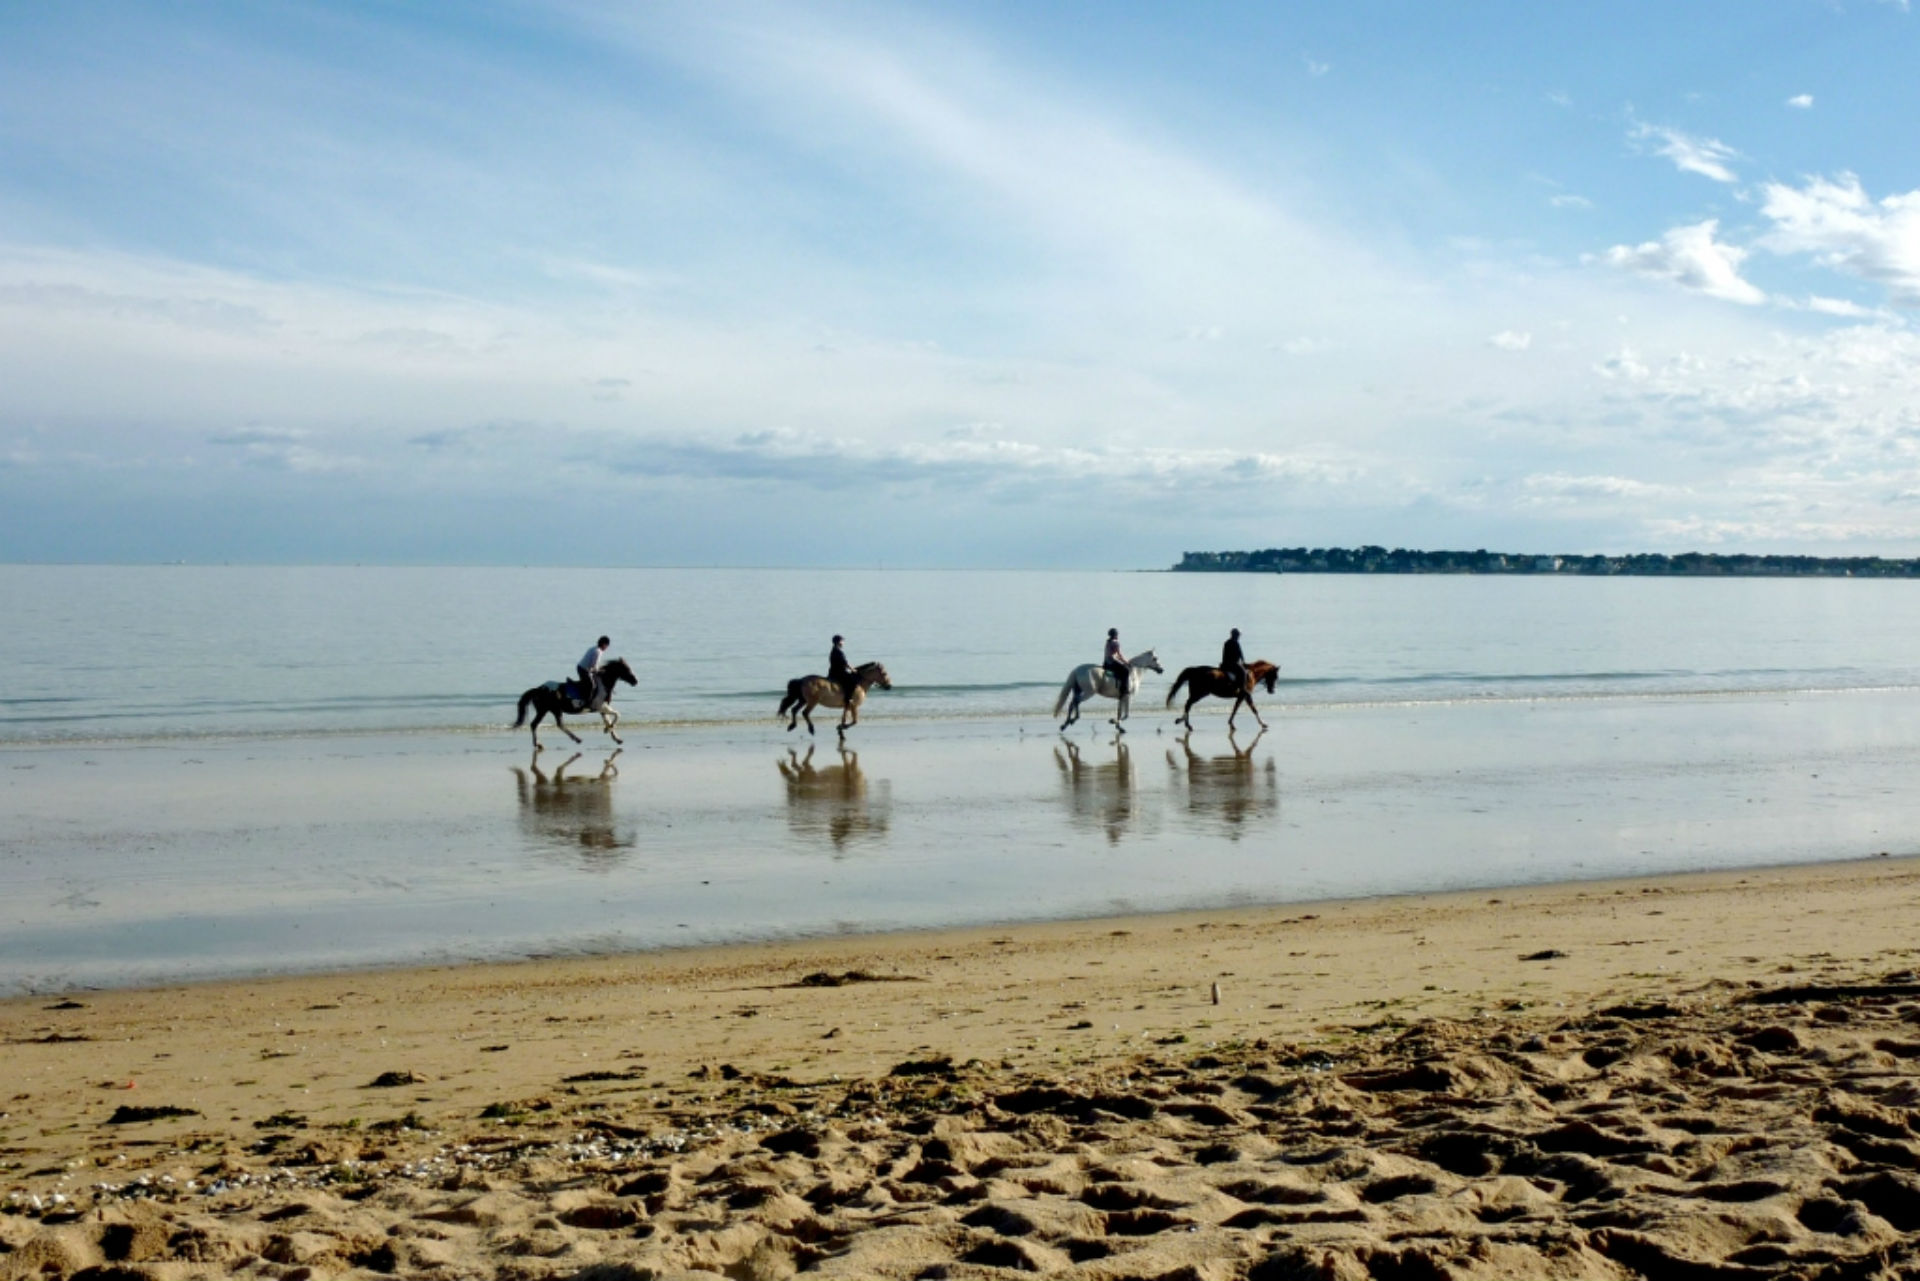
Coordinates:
column 589, row 669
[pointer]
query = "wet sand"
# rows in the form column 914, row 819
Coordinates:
column 1698, row 1076
column 176, row 860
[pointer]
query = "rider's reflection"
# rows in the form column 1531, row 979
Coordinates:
column 835, row 801
column 573, row 815
column 1226, row 791
column 1100, row 794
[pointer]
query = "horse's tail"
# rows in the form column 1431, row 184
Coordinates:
column 1066, row 692
column 1178, row 682
column 525, row 699
column 794, row 697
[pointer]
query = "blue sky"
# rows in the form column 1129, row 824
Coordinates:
column 966, row 284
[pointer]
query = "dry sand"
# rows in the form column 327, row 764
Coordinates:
column 1697, row 1077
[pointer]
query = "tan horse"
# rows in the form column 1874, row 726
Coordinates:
column 804, row 693
column 1202, row 681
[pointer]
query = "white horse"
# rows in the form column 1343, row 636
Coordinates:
column 1089, row 679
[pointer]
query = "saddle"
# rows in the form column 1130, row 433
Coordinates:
column 578, row 699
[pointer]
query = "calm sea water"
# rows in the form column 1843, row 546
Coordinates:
column 101, row 653
column 212, row 771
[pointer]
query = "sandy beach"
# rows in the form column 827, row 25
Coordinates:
column 1704, row 1076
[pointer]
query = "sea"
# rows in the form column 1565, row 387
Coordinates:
column 214, row 771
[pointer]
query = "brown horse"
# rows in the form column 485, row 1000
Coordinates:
column 804, row 693
column 1202, row 681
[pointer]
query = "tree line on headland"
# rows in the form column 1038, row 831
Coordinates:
column 1403, row 560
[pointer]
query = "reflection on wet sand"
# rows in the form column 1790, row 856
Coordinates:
column 1100, row 794
column 573, row 815
column 835, row 801
column 1223, row 792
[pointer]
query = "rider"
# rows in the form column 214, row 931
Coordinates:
column 840, row 671
column 589, row 669
column 1114, row 661
column 1233, row 663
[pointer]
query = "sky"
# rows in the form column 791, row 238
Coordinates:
column 966, row 284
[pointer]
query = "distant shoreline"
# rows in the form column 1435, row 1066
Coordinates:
column 1401, row 560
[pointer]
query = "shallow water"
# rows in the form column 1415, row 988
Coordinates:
column 102, row 652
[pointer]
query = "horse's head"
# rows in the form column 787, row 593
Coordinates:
column 1267, row 674
column 874, row 674
column 1149, row 660
column 616, row 669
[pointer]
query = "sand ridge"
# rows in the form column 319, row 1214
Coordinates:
column 1385, row 1089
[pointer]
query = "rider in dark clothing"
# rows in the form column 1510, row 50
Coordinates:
column 841, row 672
column 1233, row 662
column 1114, row 661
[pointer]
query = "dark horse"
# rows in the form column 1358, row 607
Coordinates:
column 804, row 693
column 556, row 697
column 1202, row 681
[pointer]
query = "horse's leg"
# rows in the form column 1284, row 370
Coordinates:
column 1186, row 713
column 1254, row 709
column 806, row 710
column 534, row 729
column 563, row 728
column 608, row 719
column 1073, row 709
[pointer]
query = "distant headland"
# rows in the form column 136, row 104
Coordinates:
column 1402, row 560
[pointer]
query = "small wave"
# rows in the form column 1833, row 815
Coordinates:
column 481, row 716
column 1521, row 678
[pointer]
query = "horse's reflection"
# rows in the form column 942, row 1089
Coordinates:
column 835, row 801
column 1227, row 790
column 573, row 815
column 1099, row 794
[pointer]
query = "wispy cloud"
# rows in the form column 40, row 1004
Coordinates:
column 1560, row 488
column 1801, row 101
column 1511, row 340
column 1707, row 157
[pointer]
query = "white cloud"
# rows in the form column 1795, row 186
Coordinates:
column 1624, row 365
column 1511, row 340
column 1560, row 487
column 1841, row 307
column 1691, row 258
column 1707, row 157
column 1569, row 202
column 1802, row 101
column 1315, row 68
column 1843, row 228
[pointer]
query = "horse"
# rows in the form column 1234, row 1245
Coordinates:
column 552, row 699
column 1202, row 681
column 804, row 693
column 1089, row 679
